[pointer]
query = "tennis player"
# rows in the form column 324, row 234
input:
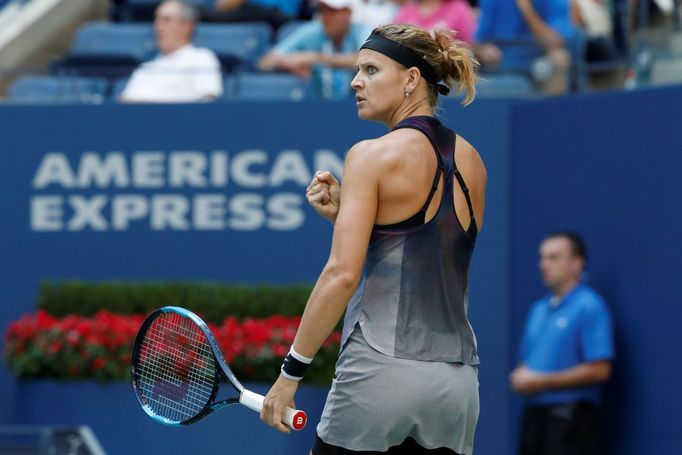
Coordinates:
column 405, row 223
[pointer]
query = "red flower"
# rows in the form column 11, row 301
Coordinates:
column 80, row 347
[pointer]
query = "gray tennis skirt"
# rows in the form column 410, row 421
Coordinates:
column 376, row 401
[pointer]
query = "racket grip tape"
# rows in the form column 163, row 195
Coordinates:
column 295, row 418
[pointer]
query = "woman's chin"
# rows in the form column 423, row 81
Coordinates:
column 363, row 114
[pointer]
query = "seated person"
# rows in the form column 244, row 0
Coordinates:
column 325, row 50
column 181, row 73
column 547, row 23
column 456, row 15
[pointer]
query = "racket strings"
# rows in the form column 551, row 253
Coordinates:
column 176, row 368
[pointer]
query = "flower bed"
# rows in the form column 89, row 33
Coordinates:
column 99, row 347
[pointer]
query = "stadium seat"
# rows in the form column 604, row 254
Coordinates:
column 229, row 87
column 108, row 50
column 117, row 88
column 504, row 85
column 666, row 71
column 50, row 89
column 236, row 45
column 271, row 87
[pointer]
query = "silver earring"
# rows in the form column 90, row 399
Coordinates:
column 407, row 93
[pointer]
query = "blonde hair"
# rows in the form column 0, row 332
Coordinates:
column 452, row 60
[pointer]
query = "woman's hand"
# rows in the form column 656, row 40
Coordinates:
column 324, row 195
column 280, row 396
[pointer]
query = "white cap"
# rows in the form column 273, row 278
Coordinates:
column 336, row 4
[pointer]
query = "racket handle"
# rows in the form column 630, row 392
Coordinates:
column 295, row 418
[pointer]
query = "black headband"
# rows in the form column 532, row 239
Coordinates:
column 406, row 57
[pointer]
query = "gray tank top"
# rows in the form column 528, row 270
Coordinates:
column 412, row 299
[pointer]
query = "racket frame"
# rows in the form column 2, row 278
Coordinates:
column 224, row 368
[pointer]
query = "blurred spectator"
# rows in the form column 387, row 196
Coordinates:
column 565, row 354
column 374, row 13
column 456, row 15
column 325, row 50
column 181, row 72
column 545, row 22
column 274, row 12
column 594, row 19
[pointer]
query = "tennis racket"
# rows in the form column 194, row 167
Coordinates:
column 177, row 369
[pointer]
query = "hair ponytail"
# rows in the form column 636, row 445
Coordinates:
column 457, row 64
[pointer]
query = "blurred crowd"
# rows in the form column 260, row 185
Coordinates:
column 540, row 46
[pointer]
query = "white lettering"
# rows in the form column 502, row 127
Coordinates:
column 209, row 212
column 54, row 168
column 188, row 168
column 46, row 213
column 87, row 213
column 93, row 171
column 247, row 212
column 169, row 211
column 127, row 208
column 285, row 212
column 290, row 166
column 240, row 168
column 148, row 169
column 219, row 169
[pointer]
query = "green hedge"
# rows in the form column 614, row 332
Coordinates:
column 213, row 301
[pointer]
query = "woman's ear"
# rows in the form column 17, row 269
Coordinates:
column 413, row 76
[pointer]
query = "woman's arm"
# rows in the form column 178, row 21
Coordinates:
column 341, row 274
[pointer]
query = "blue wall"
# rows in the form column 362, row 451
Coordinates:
column 608, row 166
column 45, row 152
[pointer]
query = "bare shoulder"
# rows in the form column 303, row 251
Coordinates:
column 469, row 161
column 381, row 153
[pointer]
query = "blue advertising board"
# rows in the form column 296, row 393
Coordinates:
column 211, row 192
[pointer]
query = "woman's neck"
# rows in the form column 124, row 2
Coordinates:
column 420, row 107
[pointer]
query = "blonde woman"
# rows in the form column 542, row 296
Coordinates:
column 405, row 225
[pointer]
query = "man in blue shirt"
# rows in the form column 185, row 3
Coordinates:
column 547, row 23
column 324, row 50
column 565, row 354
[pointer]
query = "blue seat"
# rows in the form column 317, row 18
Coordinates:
column 236, row 45
column 271, row 87
column 103, row 38
column 108, row 50
column 117, row 88
column 56, row 90
column 504, row 85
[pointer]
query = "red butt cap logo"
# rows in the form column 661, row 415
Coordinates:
column 299, row 421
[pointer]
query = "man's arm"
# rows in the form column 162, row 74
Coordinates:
column 347, row 60
column 528, row 382
column 301, row 62
column 546, row 35
column 228, row 5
